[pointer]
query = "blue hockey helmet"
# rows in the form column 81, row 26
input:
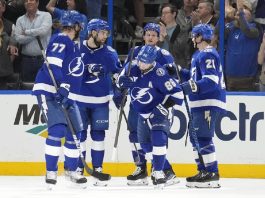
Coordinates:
column 72, row 17
column 147, row 54
column 152, row 27
column 204, row 30
column 97, row 25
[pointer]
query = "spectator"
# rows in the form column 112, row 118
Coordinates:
column 185, row 48
column 261, row 61
column 167, row 24
column 6, row 67
column 78, row 5
column 9, row 29
column 8, row 49
column 258, row 12
column 14, row 9
column 33, row 23
column 242, row 45
column 204, row 14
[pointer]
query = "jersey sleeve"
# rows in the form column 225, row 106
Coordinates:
column 169, row 86
column 114, row 63
column 208, row 64
column 56, row 52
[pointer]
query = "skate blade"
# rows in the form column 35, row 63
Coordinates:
column 100, row 183
column 212, row 184
column 191, row 184
column 159, row 186
column 172, row 182
column 50, row 187
column 139, row 182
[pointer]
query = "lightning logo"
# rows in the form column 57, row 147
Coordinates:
column 76, row 67
column 141, row 95
column 208, row 118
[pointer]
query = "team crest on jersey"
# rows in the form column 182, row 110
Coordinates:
column 76, row 67
column 165, row 52
column 142, row 95
column 160, row 72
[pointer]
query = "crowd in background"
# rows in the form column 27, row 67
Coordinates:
column 21, row 21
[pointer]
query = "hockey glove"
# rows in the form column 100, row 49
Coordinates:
column 117, row 99
column 96, row 70
column 158, row 119
column 189, row 87
column 61, row 96
column 171, row 69
column 125, row 82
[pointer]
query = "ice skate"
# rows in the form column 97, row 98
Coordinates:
column 159, row 179
column 191, row 181
column 208, row 180
column 97, row 182
column 138, row 177
column 76, row 178
column 171, row 177
column 51, row 179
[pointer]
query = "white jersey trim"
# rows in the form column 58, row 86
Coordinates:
column 178, row 95
column 55, row 61
column 44, row 87
column 207, row 103
column 89, row 99
column 212, row 77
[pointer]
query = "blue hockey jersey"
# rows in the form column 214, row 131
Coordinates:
column 163, row 56
column 95, row 91
column 66, row 65
column 152, row 88
column 206, row 70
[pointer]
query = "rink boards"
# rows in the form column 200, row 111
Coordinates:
column 239, row 138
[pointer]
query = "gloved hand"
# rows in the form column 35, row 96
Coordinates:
column 189, row 87
column 61, row 96
column 158, row 119
column 171, row 69
column 125, row 82
column 96, row 70
column 117, row 99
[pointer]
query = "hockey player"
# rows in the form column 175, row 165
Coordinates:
column 206, row 91
column 100, row 61
column 139, row 176
column 65, row 62
column 150, row 86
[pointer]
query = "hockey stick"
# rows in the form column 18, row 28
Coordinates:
column 98, row 175
column 137, row 159
column 125, row 92
column 193, row 133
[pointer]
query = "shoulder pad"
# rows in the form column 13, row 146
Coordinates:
column 111, row 49
column 165, row 52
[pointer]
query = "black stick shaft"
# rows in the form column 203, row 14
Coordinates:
column 68, row 120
